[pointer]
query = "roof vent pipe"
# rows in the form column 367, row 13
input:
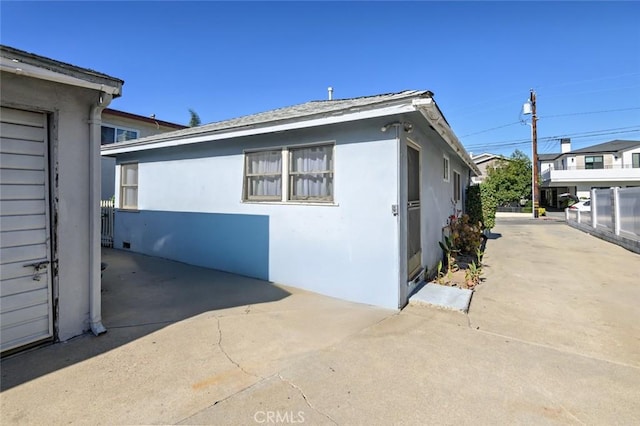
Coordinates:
column 330, row 89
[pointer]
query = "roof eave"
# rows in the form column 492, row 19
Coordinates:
column 258, row 129
column 78, row 78
column 429, row 109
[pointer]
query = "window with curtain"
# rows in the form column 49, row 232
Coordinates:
column 305, row 173
column 263, row 174
column 635, row 160
column 311, row 173
column 129, row 186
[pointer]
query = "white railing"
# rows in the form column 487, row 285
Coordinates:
column 614, row 211
column 107, row 208
column 593, row 175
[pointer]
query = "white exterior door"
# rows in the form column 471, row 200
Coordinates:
column 25, row 268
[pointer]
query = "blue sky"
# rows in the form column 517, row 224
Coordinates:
column 227, row 59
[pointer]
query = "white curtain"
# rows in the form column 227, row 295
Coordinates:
column 264, row 172
column 312, row 173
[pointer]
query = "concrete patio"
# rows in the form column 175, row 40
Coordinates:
column 552, row 336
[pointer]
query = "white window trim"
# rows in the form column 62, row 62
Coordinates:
column 123, row 186
column 286, row 173
column 446, row 178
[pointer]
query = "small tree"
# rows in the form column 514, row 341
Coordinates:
column 195, row 118
column 510, row 181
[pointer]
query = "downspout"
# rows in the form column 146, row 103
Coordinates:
column 95, row 284
column 398, row 210
column 402, row 241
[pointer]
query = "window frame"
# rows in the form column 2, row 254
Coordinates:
column 635, row 160
column 247, row 176
column 124, row 186
column 115, row 133
column 446, row 168
column 291, row 181
column 457, row 186
column 286, row 174
column 601, row 157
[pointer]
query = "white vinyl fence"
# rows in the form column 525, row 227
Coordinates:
column 614, row 215
column 107, row 215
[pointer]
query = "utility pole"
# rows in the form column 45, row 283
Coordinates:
column 534, row 139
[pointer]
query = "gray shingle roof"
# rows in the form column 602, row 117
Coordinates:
column 52, row 64
column 611, row 146
column 548, row 157
column 308, row 110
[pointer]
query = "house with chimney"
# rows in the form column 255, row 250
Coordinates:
column 605, row 165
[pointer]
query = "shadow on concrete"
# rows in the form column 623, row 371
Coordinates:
column 493, row 235
column 140, row 295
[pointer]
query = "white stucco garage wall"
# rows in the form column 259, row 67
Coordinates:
column 68, row 109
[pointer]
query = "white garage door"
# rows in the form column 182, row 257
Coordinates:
column 25, row 273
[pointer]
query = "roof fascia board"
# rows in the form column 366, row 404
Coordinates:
column 210, row 137
column 33, row 71
column 431, row 112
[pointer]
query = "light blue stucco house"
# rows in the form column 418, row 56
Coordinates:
column 344, row 197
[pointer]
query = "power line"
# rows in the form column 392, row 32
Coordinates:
column 488, row 130
column 590, row 112
column 593, row 133
column 550, row 116
column 518, row 94
column 590, row 80
column 612, row 89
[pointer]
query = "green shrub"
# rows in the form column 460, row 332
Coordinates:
column 481, row 205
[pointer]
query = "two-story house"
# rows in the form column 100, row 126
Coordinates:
column 613, row 163
column 485, row 161
column 119, row 126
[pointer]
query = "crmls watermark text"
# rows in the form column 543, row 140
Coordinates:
column 275, row 417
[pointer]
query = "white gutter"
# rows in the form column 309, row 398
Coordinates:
column 95, row 282
column 429, row 110
column 210, row 137
column 20, row 68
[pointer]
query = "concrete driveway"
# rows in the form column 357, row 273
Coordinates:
column 552, row 337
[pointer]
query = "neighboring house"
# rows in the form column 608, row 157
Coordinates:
column 342, row 197
column 613, row 163
column 120, row 126
column 484, row 162
column 50, row 192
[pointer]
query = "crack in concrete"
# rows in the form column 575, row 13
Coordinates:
column 543, row 345
column 231, row 360
column 542, row 390
column 306, row 399
column 227, row 397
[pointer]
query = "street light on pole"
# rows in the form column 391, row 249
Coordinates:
column 530, row 108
